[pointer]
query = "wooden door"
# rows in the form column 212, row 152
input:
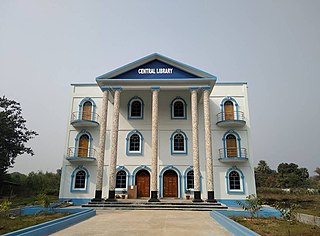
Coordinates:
column 83, row 147
column 170, row 184
column 228, row 110
column 231, row 146
column 143, row 183
column 87, row 111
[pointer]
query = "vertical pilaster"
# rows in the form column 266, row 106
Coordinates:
column 195, row 143
column 102, row 142
column 208, row 144
column 154, row 145
column 114, row 146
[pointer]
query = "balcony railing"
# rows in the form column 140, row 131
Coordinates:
column 81, row 154
column 231, row 119
column 233, row 154
column 84, row 119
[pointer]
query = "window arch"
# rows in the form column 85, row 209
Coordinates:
column 86, row 109
column 121, row 179
column 188, row 176
column 83, row 143
column 232, row 144
column 235, row 181
column 79, row 180
column 134, row 143
column 179, row 142
column 135, row 108
column 229, row 108
column 178, row 109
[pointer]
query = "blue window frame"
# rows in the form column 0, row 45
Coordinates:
column 121, row 179
column 135, row 108
column 79, row 180
column 179, row 142
column 87, row 109
column 178, row 108
column 235, row 181
column 134, row 143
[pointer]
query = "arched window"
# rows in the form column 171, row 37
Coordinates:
column 80, row 180
column 228, row 110
column 135, row 108
column 178, row 109
column 179, row 143
column 83, row 146
column 121, row 179
column 190, row 180
column 134, row 143
column 87, row 111
column 231, row 142
column 234, row 180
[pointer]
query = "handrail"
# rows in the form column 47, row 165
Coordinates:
column 74, row 152
column 88, row 116
column 233, row 152
column 236, row 115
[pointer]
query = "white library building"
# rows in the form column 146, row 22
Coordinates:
column 161, row 128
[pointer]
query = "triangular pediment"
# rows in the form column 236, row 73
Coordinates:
column 155, row 66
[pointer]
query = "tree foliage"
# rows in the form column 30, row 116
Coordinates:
column 289, row 175
column 14, row 134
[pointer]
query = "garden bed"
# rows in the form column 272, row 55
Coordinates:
column 20, row 222
column 277, row 227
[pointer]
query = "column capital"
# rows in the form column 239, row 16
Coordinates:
column 155, row 88
column 206, row 88
column 194, row 88
column 106, row 88
column 116, row 88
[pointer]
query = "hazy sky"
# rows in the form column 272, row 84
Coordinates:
column 273, row 45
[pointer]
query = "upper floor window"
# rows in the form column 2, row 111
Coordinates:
column 231, row 142
column 135, row 108
column 228, row 110
column 121, row 179
column 179, row 142
column 134, row 142
column 83, row 146
column 178, row 109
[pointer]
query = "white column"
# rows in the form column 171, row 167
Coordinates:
column 154, row 145
column 208, row 143
column 195, row 143
column 114, row 145
column 102, row 142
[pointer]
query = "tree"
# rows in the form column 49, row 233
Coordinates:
column 13, row 134
column 291, row 176
column 265, row 176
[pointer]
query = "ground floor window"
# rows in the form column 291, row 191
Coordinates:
column 121, row 179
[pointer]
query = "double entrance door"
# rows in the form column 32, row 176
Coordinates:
column 170, row 184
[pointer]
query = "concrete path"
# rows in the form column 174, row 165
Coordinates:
column 147, row 222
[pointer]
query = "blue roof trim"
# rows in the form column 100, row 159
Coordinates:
column 151, row 57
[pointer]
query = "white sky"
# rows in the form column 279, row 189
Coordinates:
column 273, row 45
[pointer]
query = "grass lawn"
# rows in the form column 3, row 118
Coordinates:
column 307, row 203
column 29, row 200
column 277, row 227
column 20, row 222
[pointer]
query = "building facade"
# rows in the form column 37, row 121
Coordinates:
column 162, row 126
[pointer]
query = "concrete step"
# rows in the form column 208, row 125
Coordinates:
column 144, row 205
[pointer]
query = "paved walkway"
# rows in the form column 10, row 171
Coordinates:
column 147, row 222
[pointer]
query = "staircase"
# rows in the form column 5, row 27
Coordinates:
column 140, row 204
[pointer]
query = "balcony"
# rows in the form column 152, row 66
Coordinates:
column 231, row 119
column 76, row 154
column 84, row 119
column 233, row 155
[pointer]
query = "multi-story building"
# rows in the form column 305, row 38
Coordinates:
column 162, row 126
